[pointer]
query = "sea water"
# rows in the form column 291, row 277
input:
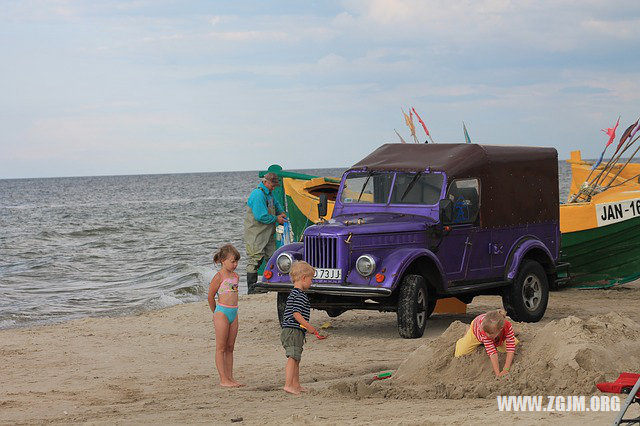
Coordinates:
column 112, row 245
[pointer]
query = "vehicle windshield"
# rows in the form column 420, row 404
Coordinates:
column 367, row 187
column 408, row 188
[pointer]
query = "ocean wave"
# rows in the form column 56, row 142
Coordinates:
column 92, row 232
column 162, row 301
column 110, row 246
column 194, row 290
column 7, row 324
column 21, row 267
column 48, row 235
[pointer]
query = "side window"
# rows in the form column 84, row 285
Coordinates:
column 465, row 195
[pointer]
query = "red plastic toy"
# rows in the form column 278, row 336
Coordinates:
column 626, row 383
column 623, row 384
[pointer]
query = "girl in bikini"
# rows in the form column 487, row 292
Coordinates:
column 225, row 311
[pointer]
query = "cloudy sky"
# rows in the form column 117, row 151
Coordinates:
column 161, row 86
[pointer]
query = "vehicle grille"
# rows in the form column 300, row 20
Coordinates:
column 321, row 252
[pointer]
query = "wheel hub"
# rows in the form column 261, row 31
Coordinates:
column 532, row 292
column 421, row 315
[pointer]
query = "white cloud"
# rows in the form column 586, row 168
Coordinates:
column 250, row 36
column 554, row 25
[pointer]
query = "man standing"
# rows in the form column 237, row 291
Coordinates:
column 263, row 213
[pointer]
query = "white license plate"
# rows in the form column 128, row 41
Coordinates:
column 327, row 274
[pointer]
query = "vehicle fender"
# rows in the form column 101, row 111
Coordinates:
column 396, row 263
column 296, row 248
column 519, row 251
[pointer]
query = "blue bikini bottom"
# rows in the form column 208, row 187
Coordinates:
column 231, row 312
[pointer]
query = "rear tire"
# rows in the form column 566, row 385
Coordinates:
column 281, row 303
column 527, row 297
column 413, row 307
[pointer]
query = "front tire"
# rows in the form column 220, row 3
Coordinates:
column 413, row 307
column 526, row 299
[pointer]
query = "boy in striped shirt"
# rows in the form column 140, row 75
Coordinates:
column 495, row 332
column 295, row 323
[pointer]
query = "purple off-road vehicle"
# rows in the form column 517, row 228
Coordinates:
column 414, row 223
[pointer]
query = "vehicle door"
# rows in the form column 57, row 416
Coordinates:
column 461, row 252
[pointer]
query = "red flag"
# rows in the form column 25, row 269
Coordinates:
column 424, row 126
column 611, row 132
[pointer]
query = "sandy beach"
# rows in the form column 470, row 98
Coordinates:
column 158, row 367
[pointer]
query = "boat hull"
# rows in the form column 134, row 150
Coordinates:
column 610, row 253
column 600, row 239
column 302, row 204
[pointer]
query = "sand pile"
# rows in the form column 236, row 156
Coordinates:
column 564, row 357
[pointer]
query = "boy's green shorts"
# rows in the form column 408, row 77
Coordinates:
column 292, row 341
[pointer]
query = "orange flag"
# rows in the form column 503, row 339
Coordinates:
column 409, row 120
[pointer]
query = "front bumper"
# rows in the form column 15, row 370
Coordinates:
column 331, row 289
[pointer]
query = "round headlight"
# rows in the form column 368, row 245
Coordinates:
column 366, row 265
column 284, row 262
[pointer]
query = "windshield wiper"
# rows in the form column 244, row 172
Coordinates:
column 365, row 185
column 413, row 182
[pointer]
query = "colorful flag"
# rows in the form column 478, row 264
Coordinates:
column 611, row 132
column 626, row 135
column 401, row 140
column 600, row 160
column 409, row 121
column 421, row 122
column 634, row 132
column 413, row 127
column 467, row 139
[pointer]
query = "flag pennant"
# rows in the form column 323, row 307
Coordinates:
column 413, row 127
column 409, row 121
column 611, row 132
column 424, row 126
column 600, row 160
column 626, row 135
column 467, row 139
column 631, row 136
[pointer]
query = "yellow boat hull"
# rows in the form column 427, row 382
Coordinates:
column 601, row 237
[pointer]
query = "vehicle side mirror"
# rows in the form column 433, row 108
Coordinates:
column 322, row 206
column 446, row 211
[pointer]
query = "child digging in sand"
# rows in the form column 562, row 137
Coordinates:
column 225, row 312
column 495, row 332
column 295, row 323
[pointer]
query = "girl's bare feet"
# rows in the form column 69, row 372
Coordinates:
column 230, row 384
column 294, row 391
column 301, row 389
column 237, row 384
